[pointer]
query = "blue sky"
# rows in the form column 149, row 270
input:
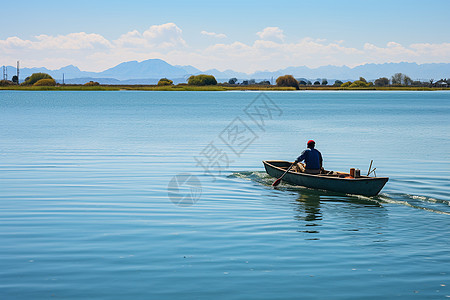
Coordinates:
column 240, row 35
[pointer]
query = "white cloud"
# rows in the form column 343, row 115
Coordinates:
column 213, row 34
column 435, row 50
column 271, row 33
column 418, row 52
column 93, row 52
column 266, row 54
column 166, row 35
column 236, row 47
column 14, row 43
column 392, row 49
column 157, row 36
column 273, row 55
column 72, row 41
column 131, row 39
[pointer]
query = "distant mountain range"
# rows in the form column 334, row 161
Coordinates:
column 151, row 70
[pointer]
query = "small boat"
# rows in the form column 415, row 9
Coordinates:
column 330, row 180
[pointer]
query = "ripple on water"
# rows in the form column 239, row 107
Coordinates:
column 415, row 201
column 85, row 212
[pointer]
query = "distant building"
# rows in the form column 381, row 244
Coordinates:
column 441, row 83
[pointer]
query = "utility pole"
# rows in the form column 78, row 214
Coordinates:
column 18, row 72
column 4, row 72
column 63, row 78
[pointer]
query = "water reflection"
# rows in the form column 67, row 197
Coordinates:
column 313, row 207
column 308, row 211
column 308, row 207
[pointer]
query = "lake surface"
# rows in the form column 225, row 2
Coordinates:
column 162, row 195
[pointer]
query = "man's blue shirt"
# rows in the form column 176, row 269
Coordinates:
column 312, row 158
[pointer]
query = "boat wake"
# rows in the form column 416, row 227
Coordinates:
column 419, row 202
column 414, row 201
column 259, row 177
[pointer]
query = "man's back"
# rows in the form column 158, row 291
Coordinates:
column 312, row 158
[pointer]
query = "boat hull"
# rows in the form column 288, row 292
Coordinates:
column 366, row 186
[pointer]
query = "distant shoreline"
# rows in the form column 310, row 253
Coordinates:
column 210, row 88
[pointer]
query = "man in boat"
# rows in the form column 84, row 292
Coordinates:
column 313, row 160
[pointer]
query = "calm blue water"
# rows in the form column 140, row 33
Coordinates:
column 85, row 211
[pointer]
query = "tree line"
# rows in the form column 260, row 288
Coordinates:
column 397, row 80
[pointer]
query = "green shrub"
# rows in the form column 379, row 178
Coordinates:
column 92, row 83
column 202, row 80
column 346, row 84
column 338, row 83
column 232, row 80
column 288, row 81
column 6, row 83
column 358, row 84
column 383, row 81
column 45, row 82
column 35, row 77
column 165, row 81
